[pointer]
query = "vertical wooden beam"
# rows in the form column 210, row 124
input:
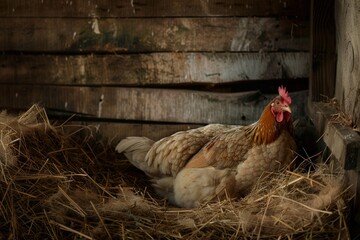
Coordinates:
column 347, row 17
column 323, row 50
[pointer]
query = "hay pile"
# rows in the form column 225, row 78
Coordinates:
column 60, row 182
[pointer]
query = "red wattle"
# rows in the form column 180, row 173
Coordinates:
column 279, row 117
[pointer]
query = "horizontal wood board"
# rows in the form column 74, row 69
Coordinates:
column 93, row 57
column 146, row 104
column 152, row 69
column 74, row 35
column 153, row 8
column 113, row 132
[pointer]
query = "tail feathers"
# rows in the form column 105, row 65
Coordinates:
column 135, row 150
column 134, row 143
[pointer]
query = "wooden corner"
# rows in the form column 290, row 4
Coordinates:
column 342, row 140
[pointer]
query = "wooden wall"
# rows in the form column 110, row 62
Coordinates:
column 166, row 65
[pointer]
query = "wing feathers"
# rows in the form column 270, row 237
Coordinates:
column 225, row 150
column 169, row 155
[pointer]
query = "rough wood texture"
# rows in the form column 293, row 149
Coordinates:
column 114, row 132
column 165, row 105
column 157, row 34
column 323, row 50
column 348, row 64
column 153, row 8
column 342, row 140
column 344, row 144
column 156, row 68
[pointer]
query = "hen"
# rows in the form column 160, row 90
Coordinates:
column 216, row 161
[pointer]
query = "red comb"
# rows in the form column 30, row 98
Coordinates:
column 284, row 95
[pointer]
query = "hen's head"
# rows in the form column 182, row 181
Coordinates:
column 280, row 106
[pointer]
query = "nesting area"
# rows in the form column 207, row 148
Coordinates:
column 61, row 181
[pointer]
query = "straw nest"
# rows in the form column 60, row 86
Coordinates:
column 61, row 182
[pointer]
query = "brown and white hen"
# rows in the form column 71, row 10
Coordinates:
column 215, row 161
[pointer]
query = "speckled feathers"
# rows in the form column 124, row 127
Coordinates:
column 198, row 165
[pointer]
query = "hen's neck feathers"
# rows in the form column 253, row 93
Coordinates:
column 267, row 129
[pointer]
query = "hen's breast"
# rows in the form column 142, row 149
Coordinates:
column 194, row 186
column 265, row 158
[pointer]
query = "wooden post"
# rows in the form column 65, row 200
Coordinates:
column 323, row 50
column 347, row 92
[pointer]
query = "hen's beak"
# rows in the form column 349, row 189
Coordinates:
column 286, row 108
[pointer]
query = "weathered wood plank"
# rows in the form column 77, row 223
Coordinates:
column 323, row 50
column 347, row 89
column 153, row 8
column 114, row 132
column 156, row 68
column 182, row 106
column 158, row 34
column 342, row 140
